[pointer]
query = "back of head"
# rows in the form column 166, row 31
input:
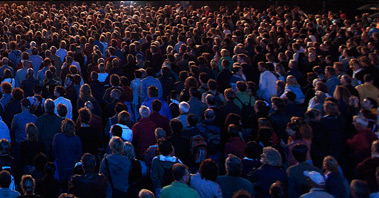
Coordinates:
column 191, row 119
column 176, row 126
column 144, row 111
column 144, row 193
column 68, row 127
column 5, row 146
column 299, row 152
column 5, row 179
column 208, row 170
column 253, row 150
column 116, row 131
column 116, row 145
column 359, row 189
column 184, row 107
column 271, row 156
column 27, row 184
column 233, row 165
column 89, row 162
column 179, row 171
column 164, row 147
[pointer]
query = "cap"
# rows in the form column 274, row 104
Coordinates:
column 315, row 176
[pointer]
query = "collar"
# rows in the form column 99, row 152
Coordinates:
column 317, row 189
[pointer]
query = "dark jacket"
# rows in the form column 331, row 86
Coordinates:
column 161, row 121
column 279, row 120
column 143, row 136
column 91, row 185
column 297, row 182
column 67, row 150
column 337, row 185
column 230, row 107
column 11, row 109
column 48, row 125
column 181, row 145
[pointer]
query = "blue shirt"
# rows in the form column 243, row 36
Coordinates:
column 19, row 123
column 165, row 109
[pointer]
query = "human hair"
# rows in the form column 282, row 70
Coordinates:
column 116, row 130
column 312, row 114
column 85, row 115
column 68, row 127
column 330, row 164
column 179, row 171
column 241, row 86
column 299, row 152
column 88, row 162
column 279, row 103
column 191, row 119
column 184, row 107
column 5, row 179
column 129, row 150
column 342, row 93
column 62, row 110
column 17, row 93
column 359, row 189
column 253, row 150
column 123, row 117
column 152, row 91
column 375, row 146
column 164, row 147
column 59, row 89
column 190, row 82
column 85, row 93
column 212, row 84
column 233, row 165
column 331, row 108
column 208, row 170
column 271, row 156
column 233, row 130
column 242, row 194
column 5, row 146
column 291, row 80
column 368, row 78
column 229, row 94
column 278, row 190
column 6, row 87
column 31, row 131
column 176, row 126
column 49, row 106
column 144, row 111
column 159, row 133
column 156, row 105
column 114, row 80
column 144, row 193
column 116, row 145
column 28, row 184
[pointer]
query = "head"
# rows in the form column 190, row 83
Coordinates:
column 360, row 123
column 271, row 156
column 375, row 148
column 49, row 106
column 129, row 151
column 88, row 162
column 156, row 105
column 31, row 131
column 62, row 110
column 144, row 193
column 330, row 164
column 144, row 111
column 180, row 173
column 233, row 165
column 369, row 103
column 152, row 91
column 359, row 189
column 68, row 127
column 28, row 184
column 184, row 107
column 208, row 170
column 5, row 179
column 116, row 145
column 176, row 126
column 253, row 150
column 299, row 152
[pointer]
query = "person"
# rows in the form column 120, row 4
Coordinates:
column 317, row 182
column 123, row 121
column 179, row 187
column 160, row 120
column 143, row 132
column 297, row 182
column 359, row 189
column 152, row 93
column 251, row 160
column 233, row 171
column 48, row 125
column 5, row 181
column 184, row 108
column 367, row 89
column 89, row 137
column 148, row 81
column 161, row 166
column 292, row 85
column 204, row 182
column 59, row 92
column 299, row 132
column 335, row 183
column 48, row 186
column 234, row 144
column 116, row 168
column 267, row 82
column 67, row 150
column 268, row 173
column 30, row 147
column 138, row 170
column 145, row 193
column 28, row 185
column 180, row 143
column 90, row 183
column 367, row 167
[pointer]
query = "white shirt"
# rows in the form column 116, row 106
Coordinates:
column 136, row 85
column 267, row 85
column 67, row 103
column 127, row 134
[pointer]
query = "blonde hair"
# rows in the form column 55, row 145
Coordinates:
column 291, row 80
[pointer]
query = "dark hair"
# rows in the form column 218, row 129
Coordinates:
column 120, row 107
column 156, row 105
column 60, row 90
column 208, row 170
column 368, row 78
column 85, row 115
column 152, row 91
column 279, row 103
column 116, row 130
column 62, row 110
column 179, row 171
column 164, row 147
column 192, row 119
column 17, row 93
column 242, row 194
column 88, row 161
column 50, row 169
column 291, row 96
column 114, row 80
column 299, row 152
column 176, row 126
column 233, row 130
column 5, row 179
column 253, row 150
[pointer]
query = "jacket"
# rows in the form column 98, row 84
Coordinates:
column 297, row 182
column 80, row 185
column 159, row 164
column 143, row 136
column 19, row 123
column 178, row 189
column 230, row 185
column 67, row 150
column 48, row 125
column 205, row 188
column 119, row 169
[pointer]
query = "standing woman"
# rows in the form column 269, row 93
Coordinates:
column 67, row 150
column 299, row 132
column 292, row 85
column 85, row 94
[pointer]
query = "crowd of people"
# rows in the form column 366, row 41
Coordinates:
column 115, row 100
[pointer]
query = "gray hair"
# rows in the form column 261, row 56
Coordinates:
column 116, row 145
column 233, row 165
column 184, row 107
column 144, row 111
column 271, row 156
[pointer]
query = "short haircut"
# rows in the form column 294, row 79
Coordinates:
column 208, row 170
column 62, row 110
column 330, row 164
column 85, row 115
column 253, row 150
column 233, row 165
column 233, row 130
column 179, row 171
column 230, row 94
column 156, row 105
column 271, row 156
column 123, row 117
column 184, row 107
column 191, row 119
column 209, row 114
column 28, row 184
column 359, row 188
column 6, row 87
column 164, row 147
column 116, row 145
column 375, row 146
column 152, row 91
column 299, row 152
column 241, row 86
column 116, row 131
column 49, row 106
column 17, row 93
column 60, row 90
column 144, row 111
column 176, row 126
column 68, row 126
column 88, row 161
column 5, row 179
